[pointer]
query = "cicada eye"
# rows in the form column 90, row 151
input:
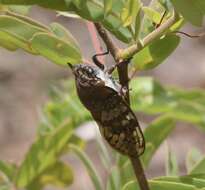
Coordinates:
column 90, row 71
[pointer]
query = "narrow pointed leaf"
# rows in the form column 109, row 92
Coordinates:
column 153, row 15
column 107, row 7
column 199, row 167
column 171, row 163
column 130, row 11
column 89, row 166
column 198, row 183
column 160, row 185
column 193, row 157
column 137, row 25
column 52, row 4
column 59, row 175
column 155, row 134
column 42, row 155
column 114, row 179
column 8, row 169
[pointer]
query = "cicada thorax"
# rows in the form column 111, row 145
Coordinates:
column 117, row 122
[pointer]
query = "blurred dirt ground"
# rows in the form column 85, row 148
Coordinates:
column 24, row 80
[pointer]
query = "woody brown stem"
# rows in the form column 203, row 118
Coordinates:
column 107, row 40
column 123, row 77
column 139, row 173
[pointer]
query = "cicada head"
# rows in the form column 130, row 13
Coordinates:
column 87, row 75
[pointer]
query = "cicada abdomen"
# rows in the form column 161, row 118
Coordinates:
column 101, row 95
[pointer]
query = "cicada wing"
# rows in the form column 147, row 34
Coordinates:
column 120, row 127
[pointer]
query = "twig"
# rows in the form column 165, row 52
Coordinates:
column 190, row 35
column 123, row 77
column 139, row 172
column 108, row 41
column 161, row 20
column 130, row 51
column 160, row 30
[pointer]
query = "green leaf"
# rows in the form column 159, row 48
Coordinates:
column 63, row 108
column 18, row 27
column 177, row 25
column 155, row 134
column 137, row 25
column 171, row 163
column 8, row 169
column 52, row 4
column 68, row 2
column 160, row 185
column 5, row 186
column 130, row 11
column 59, row 175
column 114, row 26
column 199, row 167
column 147, row 26
column 42, row 155
column 24, row 10
column 126, row 172
column 96, row 12
column 114, row 179
column 192, row 158
column 107, row 7
column 57, row 50
column 153, row 15
column 89, row 166
column 18, row 32
column 89, row 10
column 29, row 21
column 166, row 4
column 63, row 33
column 150, row 97
column 193, row 11
column 9, row 42
column 187, row 180
column 103, row 152
column 155, row 53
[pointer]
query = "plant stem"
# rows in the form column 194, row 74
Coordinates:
column 108, row 41
column 139, row 173
column 123, row 77
column 136, row 163
column 133, row 49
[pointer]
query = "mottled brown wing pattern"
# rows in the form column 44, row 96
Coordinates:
column 119, row 126
column 101, row 95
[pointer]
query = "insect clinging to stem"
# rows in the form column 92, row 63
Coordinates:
column 103, row 97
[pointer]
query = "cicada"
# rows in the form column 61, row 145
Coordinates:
column 103, row 97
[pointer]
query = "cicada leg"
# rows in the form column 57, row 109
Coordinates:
column 97, row 62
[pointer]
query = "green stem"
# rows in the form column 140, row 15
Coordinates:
column 133, row 49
